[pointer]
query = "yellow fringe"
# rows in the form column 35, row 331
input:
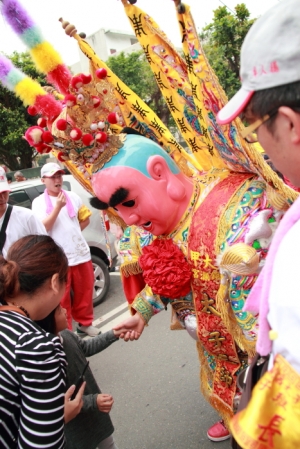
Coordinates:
column 113, row 218
column 45, row 57
column 229, row 320
column 206, row 378
column 129, row 268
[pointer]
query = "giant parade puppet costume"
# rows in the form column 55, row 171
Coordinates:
column 197, row 222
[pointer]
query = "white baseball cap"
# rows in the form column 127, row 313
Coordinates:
column 270, row 56
column 50, row 169
column 4, row 186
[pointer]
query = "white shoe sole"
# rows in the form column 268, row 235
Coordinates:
column 216, row 440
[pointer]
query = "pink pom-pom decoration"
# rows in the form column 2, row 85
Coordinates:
column 42, row 122
column 41, row 148
column 75, row 134
column 70, row 100
column 96, row 101
column 86, row 79
column 87, row 139
column 101, row 73
column 47, row 137
column 33, row 135
column 62, row 157
column 32, row 110
column 112, row 118
column 61, row 124
column 76, row 82
column 101, row 137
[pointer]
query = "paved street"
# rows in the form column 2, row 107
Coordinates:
column 155, row 383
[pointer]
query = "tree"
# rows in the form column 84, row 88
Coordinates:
column 222, row 41
column 15, row 152
column 135, row 72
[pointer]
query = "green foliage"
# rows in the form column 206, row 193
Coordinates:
column 135, row 72
column 222, row 41
column 15, row 152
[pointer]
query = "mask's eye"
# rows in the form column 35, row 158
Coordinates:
column 129, row 203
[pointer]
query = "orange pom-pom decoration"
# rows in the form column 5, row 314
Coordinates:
column 112, row 118
column 70, row 100
column 61, row 124
column 101, row 73
column 101, row 137
column 32, row 110
column 87, row 139
column 47, row 137
column 75, row 134
column 42, row 122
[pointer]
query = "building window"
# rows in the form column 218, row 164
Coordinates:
column 112, row 51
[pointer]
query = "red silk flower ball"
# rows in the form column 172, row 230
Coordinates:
column 101, row 73
column 165, row 269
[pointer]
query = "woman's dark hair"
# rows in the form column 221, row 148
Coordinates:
column 268, row 101
column 30, row 261
column 48, row 324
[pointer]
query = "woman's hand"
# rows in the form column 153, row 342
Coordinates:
column 73, row 407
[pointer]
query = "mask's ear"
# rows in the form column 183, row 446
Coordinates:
column 159, row 170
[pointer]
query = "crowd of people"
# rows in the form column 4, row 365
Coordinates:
column 42, row 358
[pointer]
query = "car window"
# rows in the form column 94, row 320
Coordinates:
column 40, row 188
column 19, row 198
column 67, row 185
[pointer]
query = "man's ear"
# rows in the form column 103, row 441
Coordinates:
column 292, row 120
column 157, row 167
column 43, row 180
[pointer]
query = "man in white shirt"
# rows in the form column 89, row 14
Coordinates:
column 22, row 221
column 269, row 101
column 64, row 217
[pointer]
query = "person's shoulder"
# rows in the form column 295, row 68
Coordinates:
column 22, row 211
column 39, row 199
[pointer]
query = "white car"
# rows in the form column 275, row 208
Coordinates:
column 23, row 193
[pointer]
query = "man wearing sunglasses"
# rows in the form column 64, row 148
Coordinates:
column 269, row 101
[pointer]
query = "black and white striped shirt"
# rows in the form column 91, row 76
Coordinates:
column 32, row 385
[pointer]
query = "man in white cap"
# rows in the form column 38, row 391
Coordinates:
column 15, row 221
column 269, row 101
column 64, row 217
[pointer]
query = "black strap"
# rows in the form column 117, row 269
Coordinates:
column 4, row 226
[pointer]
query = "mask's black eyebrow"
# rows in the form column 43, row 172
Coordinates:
column 98, row 204
column 118, row 197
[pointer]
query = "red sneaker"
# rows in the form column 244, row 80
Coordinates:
column 218, row 432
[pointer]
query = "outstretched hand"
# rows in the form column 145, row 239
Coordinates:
column 105, row 402
column 73, row 407
column 131, row 328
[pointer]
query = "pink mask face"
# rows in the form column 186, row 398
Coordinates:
column 148, row 203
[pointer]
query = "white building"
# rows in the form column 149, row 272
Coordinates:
column 106, row 43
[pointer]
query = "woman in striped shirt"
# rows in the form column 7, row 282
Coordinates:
column 32, row 362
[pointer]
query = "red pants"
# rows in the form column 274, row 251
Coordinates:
column 81, row 281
